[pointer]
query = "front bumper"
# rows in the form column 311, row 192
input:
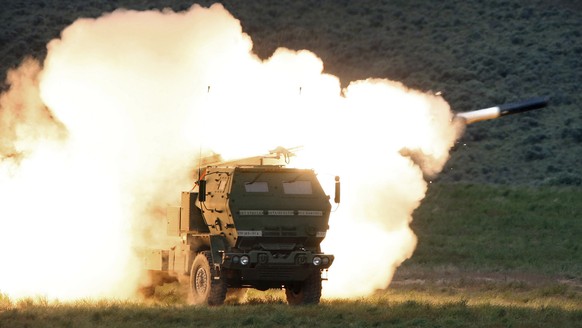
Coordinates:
column 268, row 266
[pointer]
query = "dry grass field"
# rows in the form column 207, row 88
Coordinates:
column 500, row 260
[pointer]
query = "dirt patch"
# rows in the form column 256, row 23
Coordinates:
column 450, row 275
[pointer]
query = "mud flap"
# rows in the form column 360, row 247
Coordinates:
column 218, row 246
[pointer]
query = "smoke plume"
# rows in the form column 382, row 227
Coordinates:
column 101, row 137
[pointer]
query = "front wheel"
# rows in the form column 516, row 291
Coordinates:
column 306, row 292
column 203, row 288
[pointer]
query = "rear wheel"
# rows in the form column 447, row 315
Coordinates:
column 307, row 292
column 203, row 288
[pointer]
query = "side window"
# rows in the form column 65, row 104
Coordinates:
column 298, row 187
column 257, row 186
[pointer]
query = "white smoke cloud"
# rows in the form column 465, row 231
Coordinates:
column 139, row 94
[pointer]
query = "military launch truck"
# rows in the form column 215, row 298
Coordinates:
column 251, row 223
column 254, row 223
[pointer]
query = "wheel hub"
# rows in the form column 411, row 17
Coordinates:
column 201, row 282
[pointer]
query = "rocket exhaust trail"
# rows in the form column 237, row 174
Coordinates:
column 131, row 91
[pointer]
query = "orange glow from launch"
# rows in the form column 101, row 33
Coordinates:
column 135, row 97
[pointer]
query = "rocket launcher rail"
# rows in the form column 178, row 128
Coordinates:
column 502, row 110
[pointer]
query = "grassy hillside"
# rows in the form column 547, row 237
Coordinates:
column 478, row 54
column 500, row 229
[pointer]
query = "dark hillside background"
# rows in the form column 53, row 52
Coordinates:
column 477, row 53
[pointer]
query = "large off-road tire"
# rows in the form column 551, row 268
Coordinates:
column 308, row 292
column 203, row 288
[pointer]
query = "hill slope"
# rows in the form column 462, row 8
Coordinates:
column 478, row 54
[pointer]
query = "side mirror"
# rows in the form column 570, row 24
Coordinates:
column 336, row 199
column 202, row 191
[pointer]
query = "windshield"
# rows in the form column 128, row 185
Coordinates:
column 257, row 186
column 302, row 187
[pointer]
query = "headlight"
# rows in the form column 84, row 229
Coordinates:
column 316, row 261
column 235, row 259
column 325, row 261
column 244, row 260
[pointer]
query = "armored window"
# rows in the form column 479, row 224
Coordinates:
column 257, row 186
column 297, row 188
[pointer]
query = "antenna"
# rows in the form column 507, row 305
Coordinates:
column 200, row 150
column 199, row 162
column 201, row 183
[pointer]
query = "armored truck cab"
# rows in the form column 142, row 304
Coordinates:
column 249, row 226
